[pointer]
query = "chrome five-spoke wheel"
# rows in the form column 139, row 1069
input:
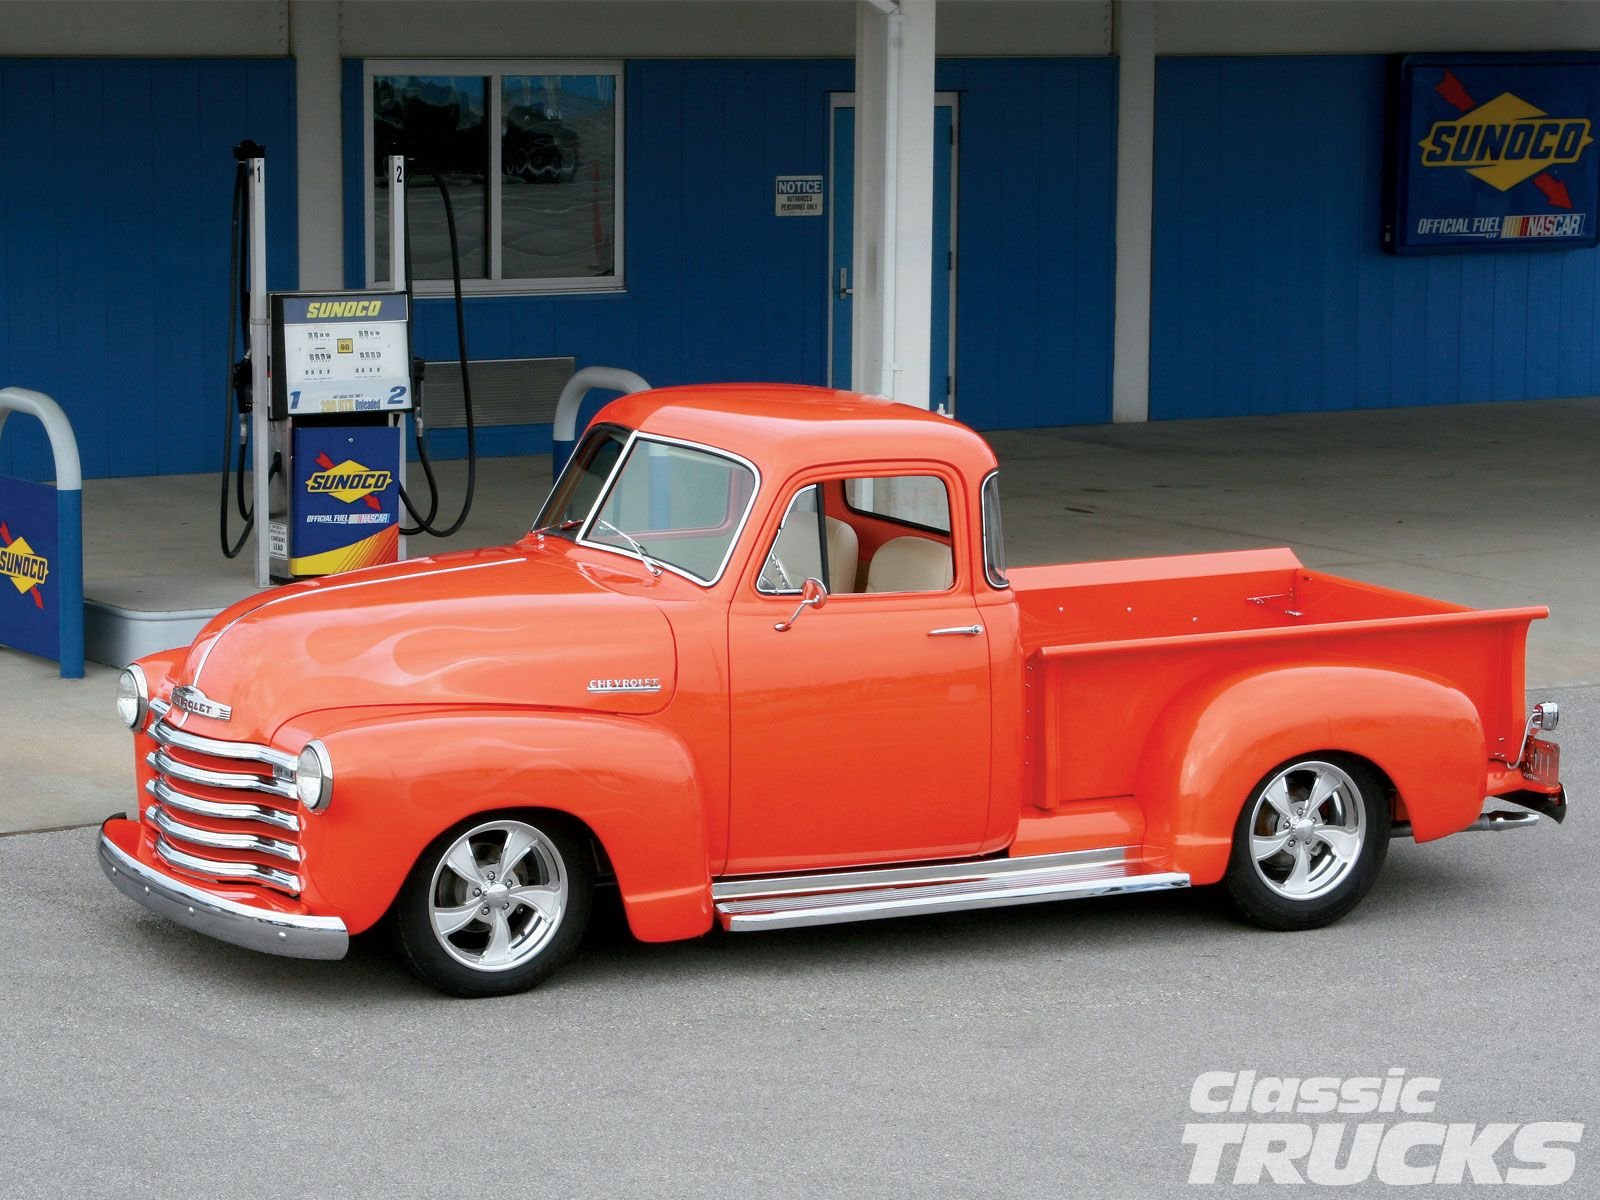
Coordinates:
column 498, row 895
column 495, row 905
column 1309, row 842
column 1307, row 830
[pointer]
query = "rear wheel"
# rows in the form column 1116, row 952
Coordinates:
column 494, row 905
column 1309, row 842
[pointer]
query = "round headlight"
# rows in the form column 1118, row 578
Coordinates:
column 313, row 777
column 133, row 697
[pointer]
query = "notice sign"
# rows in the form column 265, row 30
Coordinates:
column 799, row 196
column 1494, row 152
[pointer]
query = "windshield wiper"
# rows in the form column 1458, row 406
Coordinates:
column 655, row 567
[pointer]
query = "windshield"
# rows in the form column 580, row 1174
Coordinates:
column 586, row 472
column 671, row 504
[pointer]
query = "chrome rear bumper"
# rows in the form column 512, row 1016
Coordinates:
column 1497, row 821
column 289, row 934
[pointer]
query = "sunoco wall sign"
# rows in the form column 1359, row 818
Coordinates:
column 1493, row 153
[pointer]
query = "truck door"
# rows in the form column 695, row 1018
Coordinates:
column 861, row 730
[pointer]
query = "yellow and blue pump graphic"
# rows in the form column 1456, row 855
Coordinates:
column 344, row 510
column 27, row 570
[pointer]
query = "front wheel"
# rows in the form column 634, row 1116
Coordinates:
column 1308, row 843
column 494, row 905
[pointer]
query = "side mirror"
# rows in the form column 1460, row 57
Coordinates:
column 812, row 595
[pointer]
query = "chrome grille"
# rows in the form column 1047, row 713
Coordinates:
column 224, row 811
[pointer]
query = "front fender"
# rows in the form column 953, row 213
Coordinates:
column 1215, row 742
column 401, row 779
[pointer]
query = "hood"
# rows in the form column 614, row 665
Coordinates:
column 515, row 625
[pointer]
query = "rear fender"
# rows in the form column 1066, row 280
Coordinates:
column 1215, row 742
column 400, row 780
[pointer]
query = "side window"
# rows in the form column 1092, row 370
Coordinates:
column 799, row 551
column 920, row 501
column 917, row 558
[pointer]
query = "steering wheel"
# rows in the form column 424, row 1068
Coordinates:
column 773, row 561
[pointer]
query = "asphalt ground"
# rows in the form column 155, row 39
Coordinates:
column 1040, row 1052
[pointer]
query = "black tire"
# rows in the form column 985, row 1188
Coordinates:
column 512, row 928
column 1328, row 857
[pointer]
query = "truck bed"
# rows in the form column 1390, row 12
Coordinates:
column 1118, row 641
column 1082, row 604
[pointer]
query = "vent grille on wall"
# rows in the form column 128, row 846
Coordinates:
column 505, row 391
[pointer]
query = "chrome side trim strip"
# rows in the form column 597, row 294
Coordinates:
column 242, row 751
column 872, row 877
column 194, row 805
column 174, row 828
column 167, row 765
column 291, row 934
column 210, row 868
column 1032, row 888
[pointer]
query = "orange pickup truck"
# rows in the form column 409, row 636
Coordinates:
column 761, row 664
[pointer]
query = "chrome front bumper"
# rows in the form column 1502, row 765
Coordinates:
column 253, row 928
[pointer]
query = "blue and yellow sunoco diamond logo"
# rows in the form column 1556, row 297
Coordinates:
column 18, row 563
column 348, row 481
column 1505, row 141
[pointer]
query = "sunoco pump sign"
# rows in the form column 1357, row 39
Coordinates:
column 1494, row 153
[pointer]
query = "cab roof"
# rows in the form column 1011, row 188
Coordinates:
column 784, row 428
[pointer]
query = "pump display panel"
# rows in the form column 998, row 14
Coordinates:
column 339, row 352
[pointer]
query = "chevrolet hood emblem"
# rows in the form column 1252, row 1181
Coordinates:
column 192, row 699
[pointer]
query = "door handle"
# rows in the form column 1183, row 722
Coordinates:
column 845, row 290
column 957, row 631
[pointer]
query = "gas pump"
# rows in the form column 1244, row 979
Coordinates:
column 341, row 374
column 327, row 451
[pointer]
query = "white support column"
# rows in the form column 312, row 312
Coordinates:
column 314, row 42
column 893, row 270
column 1135, row 46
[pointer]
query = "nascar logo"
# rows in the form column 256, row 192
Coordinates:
column 348, row 481
column 26, row 570
column 1505, row 141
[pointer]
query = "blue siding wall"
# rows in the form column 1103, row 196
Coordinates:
column 1035, row 237
column 1271, row 292
column 718, row 288
column 114, row 248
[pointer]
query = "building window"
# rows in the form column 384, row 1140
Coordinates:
column 532, row 156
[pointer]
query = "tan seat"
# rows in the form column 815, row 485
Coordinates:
column 910, row 564
column 796, row 548
column 844, row 556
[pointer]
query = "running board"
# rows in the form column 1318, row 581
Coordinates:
column 785, row 902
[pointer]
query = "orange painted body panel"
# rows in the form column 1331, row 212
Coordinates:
column 1130, row 703
column 632, row 783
